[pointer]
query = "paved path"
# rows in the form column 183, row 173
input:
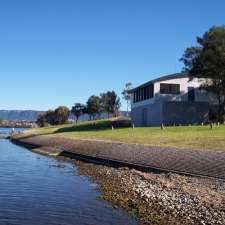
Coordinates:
column 193, row 162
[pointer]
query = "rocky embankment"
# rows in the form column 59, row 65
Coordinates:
column 156, row 199
column 161, row 199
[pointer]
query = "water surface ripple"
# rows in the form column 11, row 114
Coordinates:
column 36, row 190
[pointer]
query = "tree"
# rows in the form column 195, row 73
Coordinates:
column 77, row 110
column 50, row 117
column 61, row 115
column 93, row 106
column 207, row 60
column 127, row 96
column 53, row 117
column 41, row 120
column 110, row 102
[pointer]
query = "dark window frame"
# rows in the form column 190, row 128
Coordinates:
column 143, row 93
column 169, row 88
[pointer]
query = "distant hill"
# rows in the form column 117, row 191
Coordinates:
column 28, row 115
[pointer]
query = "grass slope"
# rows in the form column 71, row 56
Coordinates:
column 194, row 137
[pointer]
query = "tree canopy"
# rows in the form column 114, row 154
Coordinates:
column 207, row 60
column 62, row 114
column 127, row 95
column 110, row 102
column 94, row 106
column 77, row 110
column 54, row 117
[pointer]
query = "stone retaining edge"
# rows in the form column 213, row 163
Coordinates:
column 106, row 161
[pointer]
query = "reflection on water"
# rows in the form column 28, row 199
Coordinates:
column 37, row 190
column 5, row 132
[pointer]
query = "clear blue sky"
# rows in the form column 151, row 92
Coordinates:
column 57, row 52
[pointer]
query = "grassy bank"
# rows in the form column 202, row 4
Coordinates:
column 194, row 137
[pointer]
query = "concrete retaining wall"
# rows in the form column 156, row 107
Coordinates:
column 191, row 162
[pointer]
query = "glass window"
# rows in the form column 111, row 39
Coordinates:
column 169, row 88
column 134, row 97
column 144, row 93
column 147, row 92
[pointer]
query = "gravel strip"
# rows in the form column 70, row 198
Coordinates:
column 158, row 198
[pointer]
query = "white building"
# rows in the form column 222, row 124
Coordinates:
column 172, row 99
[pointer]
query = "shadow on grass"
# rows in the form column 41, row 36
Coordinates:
column 96, row 126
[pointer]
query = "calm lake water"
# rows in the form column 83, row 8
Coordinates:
column 36, row 190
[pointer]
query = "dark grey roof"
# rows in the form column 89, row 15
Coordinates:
column 163, row 78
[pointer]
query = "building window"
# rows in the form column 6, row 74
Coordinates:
column 169, row 88
column 144, row 93
column 135, row 96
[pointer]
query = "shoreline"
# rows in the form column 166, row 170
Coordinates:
column 134, row 156
column 161, row 199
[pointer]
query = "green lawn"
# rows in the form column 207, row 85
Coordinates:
column 195, row 137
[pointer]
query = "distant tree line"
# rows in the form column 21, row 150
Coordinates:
column 107, row 102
